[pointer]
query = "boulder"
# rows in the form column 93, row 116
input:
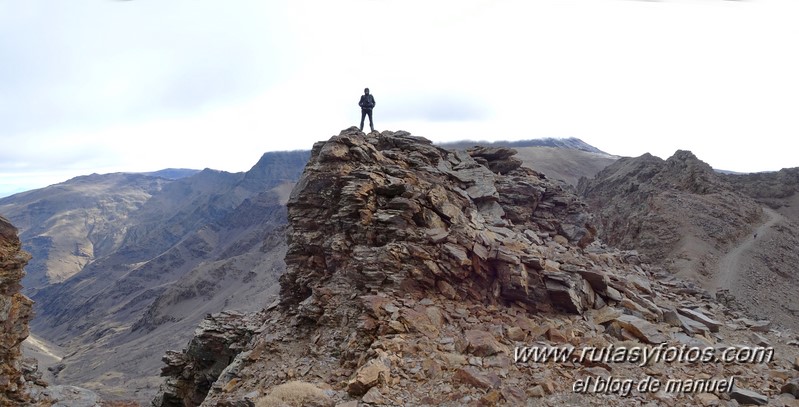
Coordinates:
column 373, row 373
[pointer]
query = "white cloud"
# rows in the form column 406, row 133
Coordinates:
column 142, row 85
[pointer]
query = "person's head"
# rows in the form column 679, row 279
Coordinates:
column 365, row 91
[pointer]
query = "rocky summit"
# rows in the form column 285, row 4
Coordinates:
column 422, row 276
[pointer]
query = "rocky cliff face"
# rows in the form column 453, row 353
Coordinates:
column 414, row 273
column 15, row 313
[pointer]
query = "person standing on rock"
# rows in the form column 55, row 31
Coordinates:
column 367, row 103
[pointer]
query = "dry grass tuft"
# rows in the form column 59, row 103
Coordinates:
column 295, row 394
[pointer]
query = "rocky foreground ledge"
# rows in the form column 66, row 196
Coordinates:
column 15, row 313
column 418, row 276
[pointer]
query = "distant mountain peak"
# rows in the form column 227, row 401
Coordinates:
column 570, row 142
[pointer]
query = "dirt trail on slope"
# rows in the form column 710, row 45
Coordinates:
column 730, row 266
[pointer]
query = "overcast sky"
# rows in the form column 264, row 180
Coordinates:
column 103, row 86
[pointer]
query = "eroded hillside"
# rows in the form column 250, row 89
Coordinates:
column 735, row 234
column 678, row 212
column 160, row 262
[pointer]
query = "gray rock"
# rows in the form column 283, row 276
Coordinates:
column 792, row 387
column 748, row 397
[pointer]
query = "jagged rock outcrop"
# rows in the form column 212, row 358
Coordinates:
column 415, row 275
column 216, row 341
column 15, row 313
column 365, row 205
column 676, row 212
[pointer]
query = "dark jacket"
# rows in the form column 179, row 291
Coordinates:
column 367, row 101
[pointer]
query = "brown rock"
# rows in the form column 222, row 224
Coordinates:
column 334, row 152
column 458, row 254
column 432, row 368
column 436, row 316
column 453, row 360
column 631, row 305
column 472, row 377
column 707, row 399
column 500, row 361
column 536, row 391
column 782, row 374
column 375, row 304
column 373, row 373
column 446, row 289
column 483, row 343
column 555, row 335
column 418, row 321
column 515, row 333
column 491, row 398
column 688, row 325
column 527, row 324
column 373, row 396
column 605, row 314
column 513, row 396
column 698, row 316
column 642, row 329
column 396, row 326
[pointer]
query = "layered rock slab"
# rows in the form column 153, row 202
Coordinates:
column 368, row 205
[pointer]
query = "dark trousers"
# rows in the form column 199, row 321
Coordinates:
column 365, row 112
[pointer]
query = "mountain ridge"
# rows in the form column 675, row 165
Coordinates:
column 569, row 142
